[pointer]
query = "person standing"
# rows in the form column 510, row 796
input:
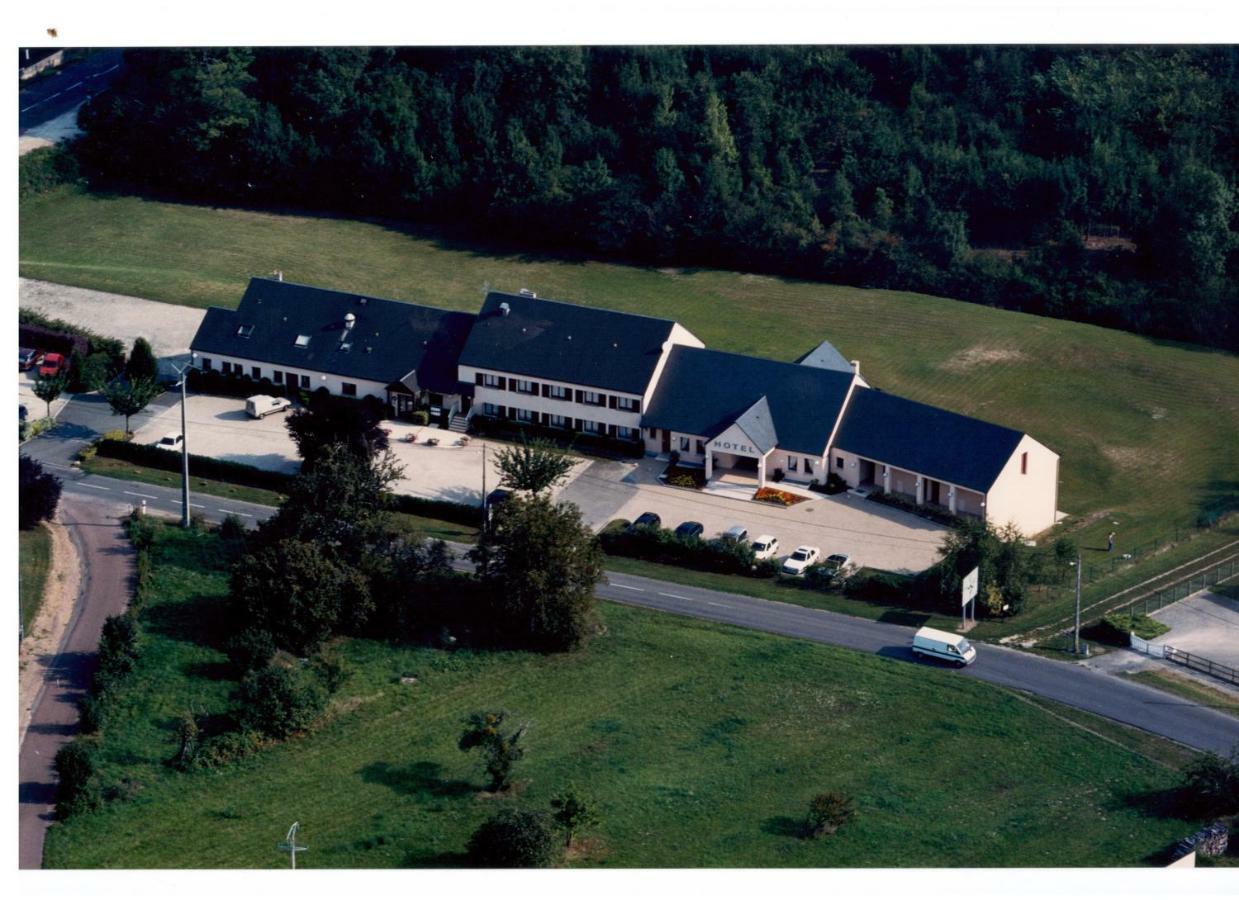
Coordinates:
column 1110, row 542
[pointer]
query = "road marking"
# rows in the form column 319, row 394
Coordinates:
column 136, row 494
column 104, row 72
column 231, row 513
column 672, row 596
column 95, row 486
column 72, row 86
column 199, row 505
column 712, row 603
column 629, row 587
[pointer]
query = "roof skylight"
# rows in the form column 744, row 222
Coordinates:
column 302, row 341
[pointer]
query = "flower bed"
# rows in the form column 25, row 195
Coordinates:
column 684, row 476
column 774, row 495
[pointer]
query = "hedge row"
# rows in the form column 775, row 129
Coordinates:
column 250, row 476
column 659, row 545
column 599, row 445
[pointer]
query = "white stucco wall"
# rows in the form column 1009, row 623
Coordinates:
column 1029, row 499
column 535, row 402
column 317, row 379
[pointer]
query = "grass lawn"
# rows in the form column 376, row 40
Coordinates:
column 34, row 559
column 1146, row 428
column 1187, row 687
column 701, row 745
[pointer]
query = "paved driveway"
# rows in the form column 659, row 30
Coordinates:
column 871, row 534
column 1206, row 624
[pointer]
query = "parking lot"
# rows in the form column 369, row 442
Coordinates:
column 604, row 490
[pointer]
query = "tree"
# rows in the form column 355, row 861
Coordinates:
column 141, row 365
column 1001, row 555
column 277, row 701
column 485, row 731
column 535, row 465
column 829, row 812
column 38, row 493
column 48, row 387
column 514, row 839
column 128, row 398
column 327, row 420
column 1211, row 785
column 118, row 645
column 77, row 788
column 572, row 813
column 540, row 564
column 188, row 737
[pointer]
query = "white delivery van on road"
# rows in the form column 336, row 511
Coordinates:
column 952, row 648
column 260, row 405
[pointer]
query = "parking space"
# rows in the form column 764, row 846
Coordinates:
column 1205, row 624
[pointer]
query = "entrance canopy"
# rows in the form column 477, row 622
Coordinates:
column 750, row 436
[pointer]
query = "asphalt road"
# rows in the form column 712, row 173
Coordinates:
column 105, row 591
column 42, row 99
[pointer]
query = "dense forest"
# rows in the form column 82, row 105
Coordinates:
column 1086, row 183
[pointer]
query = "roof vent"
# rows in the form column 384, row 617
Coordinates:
column 362, row 300
column 505, row 309
column 526, row 292
column 569, row 337
column 855, row 366
column 349, row 321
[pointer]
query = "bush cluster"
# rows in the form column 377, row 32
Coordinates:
column 276, row 701
column 38, row 493
column 515, row 839
column 662, row 545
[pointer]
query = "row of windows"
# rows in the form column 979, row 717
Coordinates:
column 557, row 392
column 347, row 388
column 556, row 421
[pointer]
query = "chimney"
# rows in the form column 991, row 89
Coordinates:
column 504, row 309
column 279, row 274
column 856, row 366
column 349, row 321
column 526, row 292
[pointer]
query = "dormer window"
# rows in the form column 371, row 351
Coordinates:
column 245, row 331
column 302, row 341
column 346, row 347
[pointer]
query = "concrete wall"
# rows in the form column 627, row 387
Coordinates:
column 1026, row 499
column 317, row 379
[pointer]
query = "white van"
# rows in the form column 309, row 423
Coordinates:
column 953, row 648
column 260, row 405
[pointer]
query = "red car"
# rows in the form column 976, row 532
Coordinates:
column 53, row 364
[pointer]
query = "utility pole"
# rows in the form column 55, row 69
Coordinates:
column 290, row 844
column 483, row 484
column 1079, row 567
column 184, row 373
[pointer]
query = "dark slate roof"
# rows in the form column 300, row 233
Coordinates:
column 705, row 391
column 758, row 423
column 925, row 439
column 825, row 356
column 566, row 342
column 388, row 340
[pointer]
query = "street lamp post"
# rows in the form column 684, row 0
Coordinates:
column 184, row 373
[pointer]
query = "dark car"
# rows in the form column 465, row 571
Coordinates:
column 646, row 520
column 689, row 530
column 27, row 359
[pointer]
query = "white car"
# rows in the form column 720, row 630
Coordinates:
column 260, row 405
column 839, row 565
column 765, row 547
column 801, row 559
column 172, row 442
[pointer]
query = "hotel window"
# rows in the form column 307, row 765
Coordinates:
column 684, row 444
column 558, row 422
column 559, row 392
column 791, row 463
column 305, row 382
column 701, row 448
column 490, row 381
column 348, row 389
column 226, row 367
column 628, row 404
column 206, row 364
column 1024, row 463
column 808, row 466
column 490, row 409
column 256, row 371
column 277, row 376
column 623, row 432
column 525, row 387
column 838, row 462
column 593, row 398
column 522, row 415
column 589, row 427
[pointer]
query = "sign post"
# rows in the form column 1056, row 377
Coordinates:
column 968, row 593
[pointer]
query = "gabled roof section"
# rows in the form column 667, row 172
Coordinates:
column 705, row 391
column 565, row 342
column 825, row 356
column 758, row 424
column 925, row 439
column 299, row 327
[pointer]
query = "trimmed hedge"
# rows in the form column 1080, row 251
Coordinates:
column 250, row 476
column 662, row 546
column 599, row 445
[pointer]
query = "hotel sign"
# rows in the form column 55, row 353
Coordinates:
column 734, row 440
column 730, row 447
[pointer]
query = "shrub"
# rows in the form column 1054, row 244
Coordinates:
column 92, row 710
column 38, row 493
column 420, row 417
column 45, row 169
column 829, row 812
column 141, row 530
column 118, row 645
column 77, row 788
column 662, row 546
column 515, row 839
column 1211, row 785
column 221, row 749
column 484, row 731
column 331, row 669
column 250, row 650
column 277, row 701
column 878, row 587
column 141, row 364
column 232, row 528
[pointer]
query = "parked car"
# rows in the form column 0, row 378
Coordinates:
column 802, row 557
column 27, row 358
column 839, row 565
column 171, row 442
column 260, row 405
column 646, row 520
column 765, row 547
column 952, row 648
column 689, row 530
column 737, row 533
column 52, row 365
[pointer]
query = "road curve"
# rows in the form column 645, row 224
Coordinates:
column 107, row 568
column 1096, row 692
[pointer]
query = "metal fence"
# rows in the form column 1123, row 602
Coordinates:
column 1155, row 600
column 1200, row 664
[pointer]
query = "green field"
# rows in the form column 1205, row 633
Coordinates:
column 34, row 559
column 700, row 744
column 1146, row 428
